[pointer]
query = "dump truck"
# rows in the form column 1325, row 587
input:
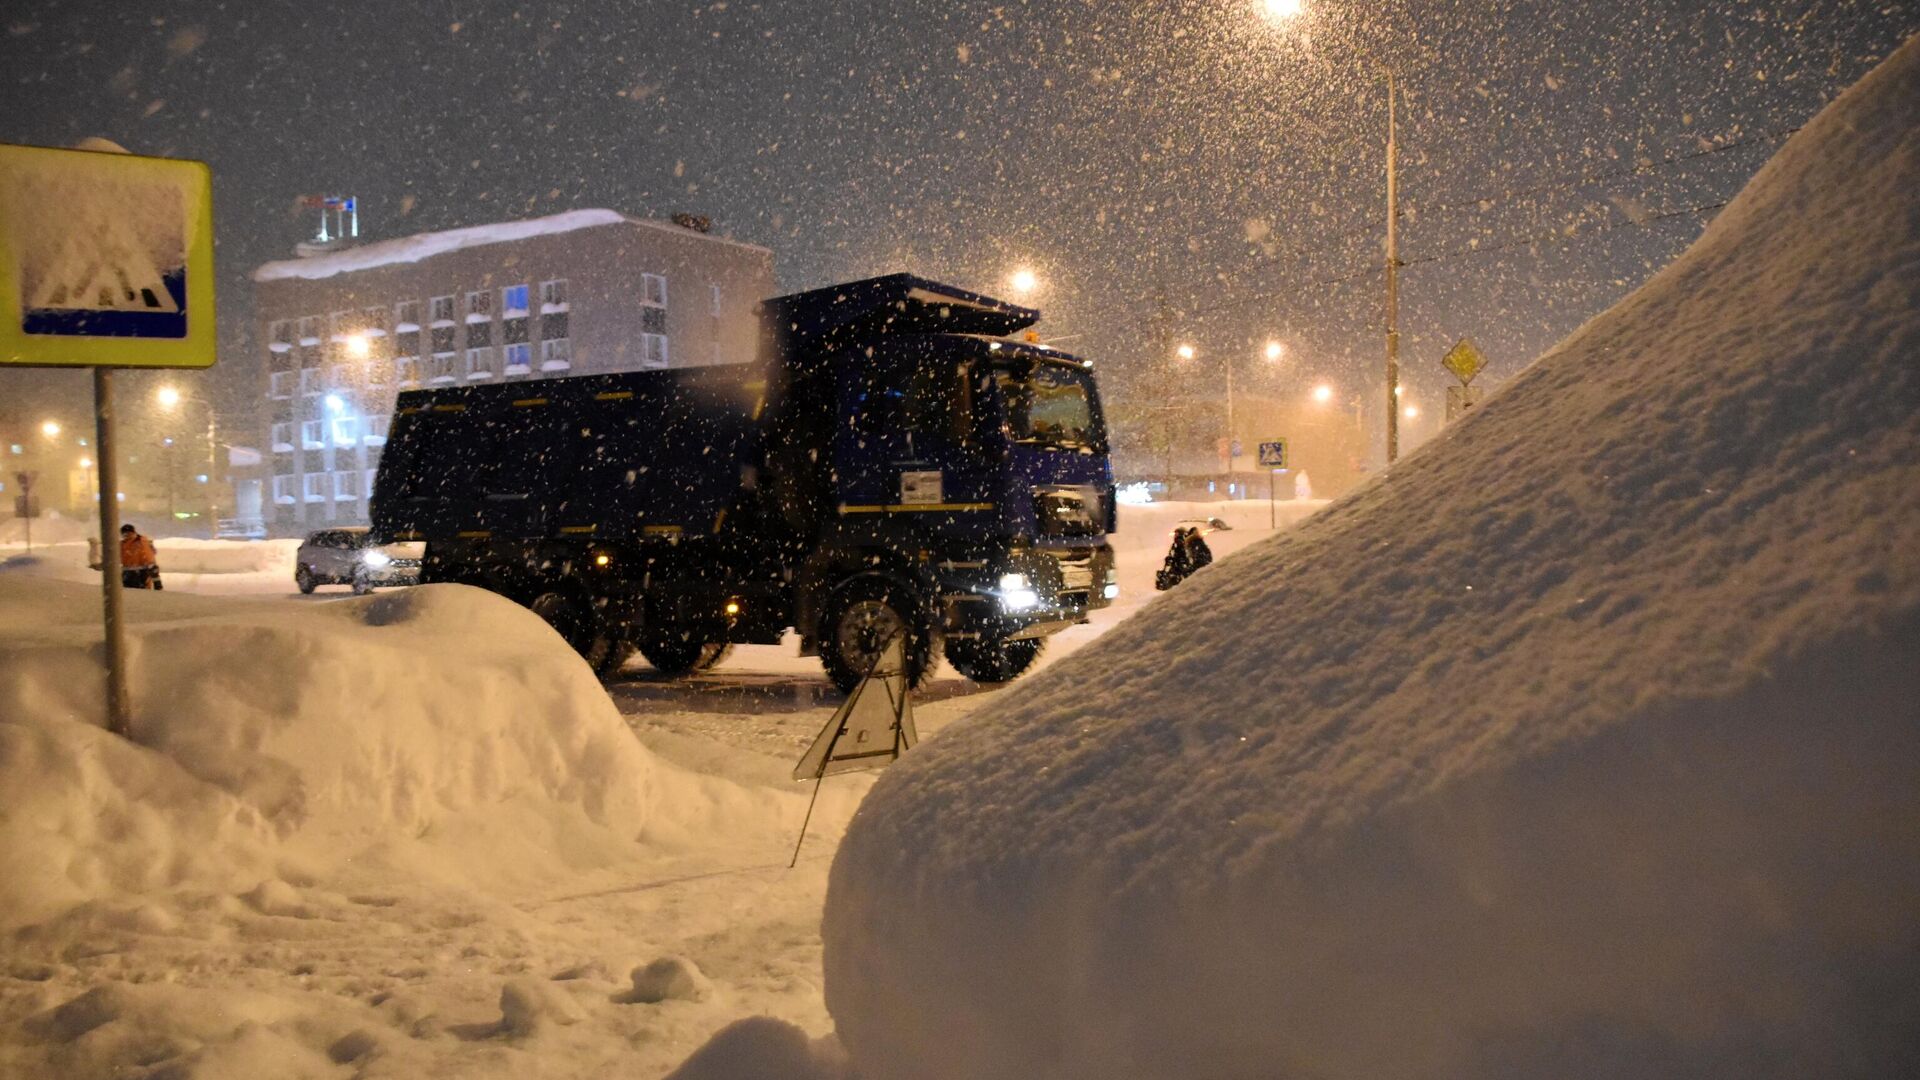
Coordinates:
column 899, row 460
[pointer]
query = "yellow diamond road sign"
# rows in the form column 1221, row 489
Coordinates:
column 1464, row 360
column 106, row 260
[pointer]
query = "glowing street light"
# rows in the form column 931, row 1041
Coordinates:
column 1024, row 281
column 51, row 429
column 1411, row 412
column 1322, row 394
column 167, row 396
column 1284, row 10
column 1275, row 351
column 1184, row 352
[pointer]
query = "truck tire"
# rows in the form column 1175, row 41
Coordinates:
column 607, row 656
column 675, row 655
column 993, row 660
column 860, row 616
column 303, row 578
column 574, row 620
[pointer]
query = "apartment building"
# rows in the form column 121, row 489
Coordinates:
column 576, row 293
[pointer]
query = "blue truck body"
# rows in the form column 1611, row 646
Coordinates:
column 894, row 462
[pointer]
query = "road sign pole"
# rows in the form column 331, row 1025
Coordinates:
column 116, row 636
column 1272, row 517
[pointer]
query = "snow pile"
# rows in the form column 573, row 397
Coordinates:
column 1584, row 742
column 52, row 527
column 270, row 741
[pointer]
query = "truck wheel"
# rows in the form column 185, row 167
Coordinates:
column 303, row 577
column 607, row 656
column 572, row 619
column 861, row 617
column 674, row 654
column 993, row 660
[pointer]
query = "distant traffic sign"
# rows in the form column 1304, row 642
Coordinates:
column 106, row 260
column 1273, row 455
column 1464, row 361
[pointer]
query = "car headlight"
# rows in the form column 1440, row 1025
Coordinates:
column 1017, row 593
column 375, row 558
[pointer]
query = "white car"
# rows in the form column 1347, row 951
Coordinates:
column 347, row 556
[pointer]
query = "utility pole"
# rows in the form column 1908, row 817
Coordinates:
column 1231, row 453
column 1160, row 363
column 1393, row 278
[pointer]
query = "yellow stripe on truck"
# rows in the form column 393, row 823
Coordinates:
column 915, row 508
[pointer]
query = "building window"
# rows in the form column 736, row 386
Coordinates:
column 376, row 372
column 406, row 370
column 310, row 330
column 553, row 296
column 653, row 351
column 480, row 306
column 653, row 290
column 309, row 381
column 519, row 359
column 407, row 342
column 280, row 385
column 374, row 321
column 554, row 325
column 513, row 301
column 339, row 325
column 346, row 485
column 346, row 430
column 479, row 335
column 440, row 368
column 313, row 487
column 716, row 301
column 280, row 336
column 442, row 337
column 406, row 315
column 443, row 311
column 556, row 355
column 283, row 438
column 480, row 363
column 377, row 429
column 313, row 434
column 283, row 489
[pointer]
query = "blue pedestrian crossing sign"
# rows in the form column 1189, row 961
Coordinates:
column 106, row 260
column 1273, row 455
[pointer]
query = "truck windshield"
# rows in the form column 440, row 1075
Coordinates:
column 1050, row 405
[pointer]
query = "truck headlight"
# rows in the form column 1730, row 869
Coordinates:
column 376, row 558
column 1111, row 590
column 1017, row 594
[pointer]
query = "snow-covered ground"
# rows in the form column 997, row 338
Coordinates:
column 1582, row 742
column 397, row 835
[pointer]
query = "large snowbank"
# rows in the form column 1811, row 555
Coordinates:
column 271, row 739
column 1584, row 742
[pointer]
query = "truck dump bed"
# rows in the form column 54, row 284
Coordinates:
column 614, row 456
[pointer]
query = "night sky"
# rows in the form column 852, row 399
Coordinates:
column 1552, row 154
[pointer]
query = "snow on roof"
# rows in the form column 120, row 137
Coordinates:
column 1581, row 740
column 411, row 249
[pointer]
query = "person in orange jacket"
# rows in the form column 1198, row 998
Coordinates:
column 139, row 562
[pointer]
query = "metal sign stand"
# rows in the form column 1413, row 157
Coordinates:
column 118, row 709
column 893, row 648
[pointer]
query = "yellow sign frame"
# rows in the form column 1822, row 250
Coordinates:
column 1464, row 360
column 196, row 349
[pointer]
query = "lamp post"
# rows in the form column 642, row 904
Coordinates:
column 170, row 399
column 1284, row 11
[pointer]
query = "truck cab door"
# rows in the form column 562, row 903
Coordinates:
column 908, row 439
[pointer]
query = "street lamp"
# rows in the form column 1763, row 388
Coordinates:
column 170, row 399
column 1280, row 11
column 1322, row 394
column 1024, row 281
column 1275, row 351
column 1185, row 352
column 51, row 429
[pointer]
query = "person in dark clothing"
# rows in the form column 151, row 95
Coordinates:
column 1179, row 561
column 1198, row 553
